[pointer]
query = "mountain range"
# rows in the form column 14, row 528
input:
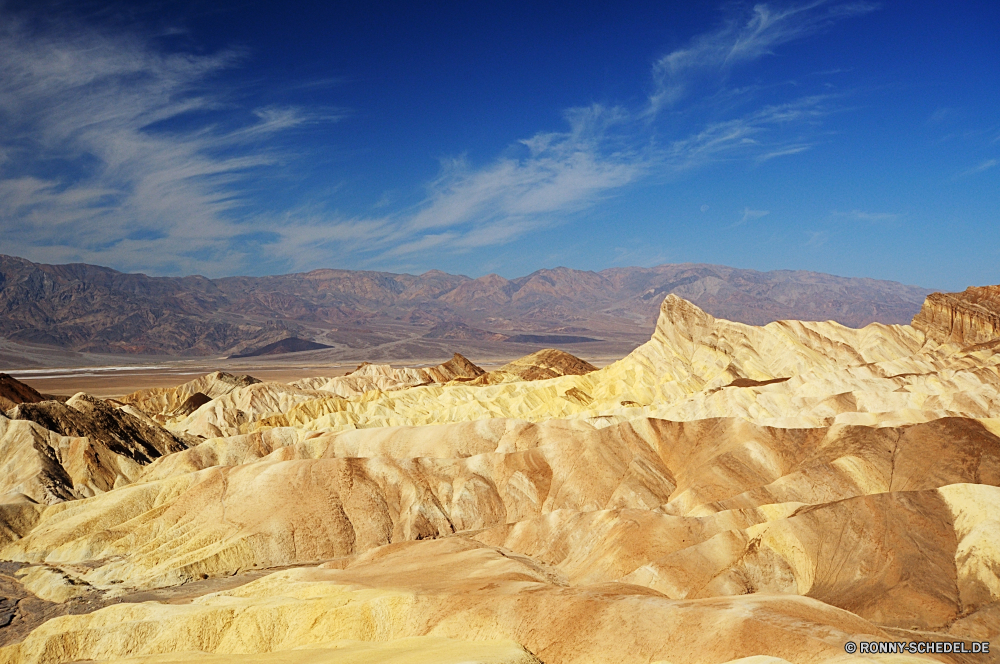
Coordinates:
column 93, row 309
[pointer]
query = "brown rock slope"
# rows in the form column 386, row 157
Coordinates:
column 13, row 392
column 823, row 485
column 969, row 317
column 548, row 363
column 53, row 451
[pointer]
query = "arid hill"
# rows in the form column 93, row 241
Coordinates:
column 286, row 345
column 13, row 392
column 95, row 309
column 726, row 493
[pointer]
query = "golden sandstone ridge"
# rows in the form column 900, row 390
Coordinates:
column 726, row 493
column 970, row 317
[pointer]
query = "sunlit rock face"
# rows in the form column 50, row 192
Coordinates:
column 969, row 317
column 784, row 489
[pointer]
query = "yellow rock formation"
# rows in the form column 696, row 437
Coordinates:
column 788, row 373
column 548, row 363
column 726, row 493
column 165, row 404
column 383, row 377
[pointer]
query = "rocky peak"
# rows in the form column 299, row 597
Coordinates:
column 969, row 317
column 680, row 319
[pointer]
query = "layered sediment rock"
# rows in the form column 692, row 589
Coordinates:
column 787, row 373
column 383, row 377
column 967, row 318
column 547, row 363
column 164, row 404
column 52, row 451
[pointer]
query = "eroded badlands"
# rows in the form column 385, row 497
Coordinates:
column 724, row 492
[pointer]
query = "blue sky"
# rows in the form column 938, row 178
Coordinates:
column 856, row 138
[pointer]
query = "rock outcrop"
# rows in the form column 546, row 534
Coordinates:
column 967, row 318
column 165, row 404
column 548, row 363
column 53, row 451
column 385, row 378
column 13, row 392
column 786, row 373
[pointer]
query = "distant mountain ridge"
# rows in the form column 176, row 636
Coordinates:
column 97, row 309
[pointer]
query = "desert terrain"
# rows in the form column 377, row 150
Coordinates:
column 725, row 492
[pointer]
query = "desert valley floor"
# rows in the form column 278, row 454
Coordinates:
column 723, row 493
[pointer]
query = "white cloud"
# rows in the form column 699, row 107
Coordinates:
column 784, row 151
column 873, row 217
column 817, row 238
column 758, row 135
column 984, row 166
column 561, row 172
column 750, row 215
column 741, row 40
column 93, row 107
column 143, row 186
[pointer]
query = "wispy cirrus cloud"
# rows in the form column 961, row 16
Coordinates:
column 817, row 239
column 982, row 166
column 103, row 161
column 750, row 215
column 868, row 216
column 741, row 40
column 785, row 151
column 116, row 150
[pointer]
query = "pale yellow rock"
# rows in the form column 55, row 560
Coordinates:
column 412, row 650
column 266, row 499
column 692, row 369
column 883, row 562
column 543, row 364
column 49, row 468
column 457, row 440
column 366, row 378
column 607, row 545
column 231, row 413
column 51, row 584
column 276, row 512
column 18, row 515
column 385, row 378
column 165, row 404
column 450, row 589
column 976, row 510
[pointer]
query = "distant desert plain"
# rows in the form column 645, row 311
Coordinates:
column 684, row 464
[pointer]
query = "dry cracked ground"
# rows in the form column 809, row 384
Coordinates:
column 724, row 493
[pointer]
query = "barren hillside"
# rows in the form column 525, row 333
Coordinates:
column 784, row 489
